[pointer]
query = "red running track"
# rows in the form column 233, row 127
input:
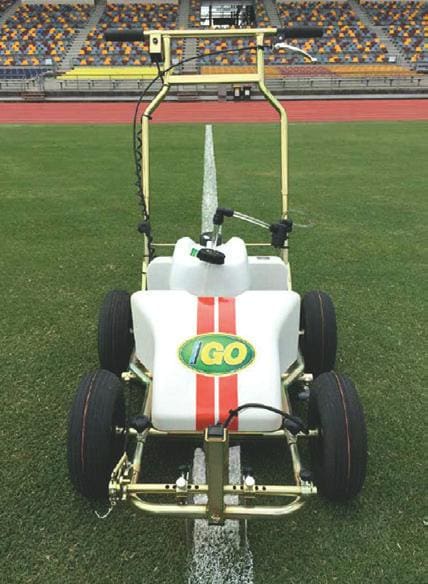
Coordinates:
column 216, row 112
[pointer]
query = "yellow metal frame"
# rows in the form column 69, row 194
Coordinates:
column 124, row 484
column 160, row 43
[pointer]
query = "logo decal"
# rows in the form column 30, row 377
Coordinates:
column 216, row 354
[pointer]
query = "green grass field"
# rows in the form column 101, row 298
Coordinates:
column 68, row 220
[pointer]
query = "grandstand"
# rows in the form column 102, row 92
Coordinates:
column 95, row 51
column 40, row 34
column 379, row 44
column 406, row 23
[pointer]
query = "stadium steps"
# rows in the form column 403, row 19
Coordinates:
column 190, row 50
column 9, row 12
column 272, row 12
column 183, row 14
column 71, row 57
column 189, row 45
column 393, row 51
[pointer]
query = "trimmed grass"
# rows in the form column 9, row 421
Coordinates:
column 68, row 234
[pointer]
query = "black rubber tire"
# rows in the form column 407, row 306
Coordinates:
column 115, row 337
column 339, row 453
column 94, row 447
column 319, row 341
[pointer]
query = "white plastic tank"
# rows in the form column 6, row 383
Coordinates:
column 203, row 279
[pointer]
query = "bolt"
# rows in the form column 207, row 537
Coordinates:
column 249, row 482
column 181, row 483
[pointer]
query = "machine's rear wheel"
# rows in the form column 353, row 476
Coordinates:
column 94, row 446
column 339, row 453
column 115, row 337
column 319, row 340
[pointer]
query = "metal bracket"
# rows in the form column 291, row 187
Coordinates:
column 249, row 491
column 155, row 46
column 216, row 446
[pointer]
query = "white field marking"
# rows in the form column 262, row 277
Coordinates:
column 220, row 554
column 209, row 196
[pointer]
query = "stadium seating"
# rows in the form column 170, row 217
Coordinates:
column 35, row 33
column 272, row 71
column 97, row 52
column 405, row 22
column 245, row 57
column 346, row 39
column 369, row 71
column 194, row 14
column 262, row 19
column 5, row 4
column 21, row 72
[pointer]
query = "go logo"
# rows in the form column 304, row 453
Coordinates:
column 216, row 354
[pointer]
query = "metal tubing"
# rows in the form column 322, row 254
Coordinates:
column 136, row 461
column 273, row 490
column 217, row 461
column 145, row 167
column 189, row 511
column 283, row 132
column 215, row 78
column 288, row 379
column 206, row 33
column 235, row 512
column 241, row 435
column 230, row 511
column 197, row 79
column 199, row 434
column 164, row 489
column 259, row 490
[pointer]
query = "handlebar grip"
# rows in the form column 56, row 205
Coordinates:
column 132, row 35
column 300, row 32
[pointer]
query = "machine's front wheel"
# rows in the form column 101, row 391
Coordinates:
column 115, row 336
column 339, row 453
column 319, row 339
column 94, row 443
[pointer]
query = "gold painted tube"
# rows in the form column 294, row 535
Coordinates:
column 189, row 511
column 260, row 490
column 236, row 512
column 199, row 434
column 217, row 466
column 163, row 489
column 200, row 511
column 206, row 33
column 215, row 78
column 273, row 490
column 136, row 461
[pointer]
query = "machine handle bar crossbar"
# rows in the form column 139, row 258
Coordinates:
column 160, row 52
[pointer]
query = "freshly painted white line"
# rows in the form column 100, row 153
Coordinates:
column 209, row 196
column 220, row 554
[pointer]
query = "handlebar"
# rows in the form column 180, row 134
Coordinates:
column 132, row 35
column 290, row 32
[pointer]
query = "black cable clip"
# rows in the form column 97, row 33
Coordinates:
column 280, row 232
column 145, row 228
column 220, row 214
